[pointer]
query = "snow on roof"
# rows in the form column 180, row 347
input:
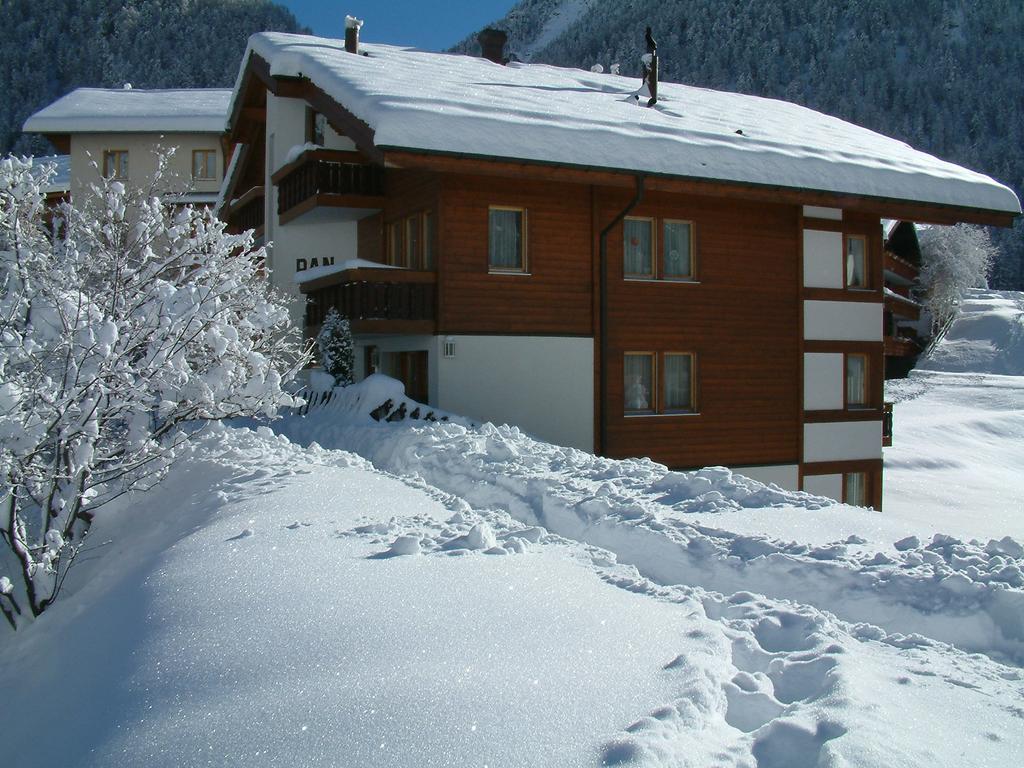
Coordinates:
column 418, row 100
column 127, row 110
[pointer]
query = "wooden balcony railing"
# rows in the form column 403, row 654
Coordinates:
column 247, row 212
column 383, row 300
column 325, row 177
column 887, row 424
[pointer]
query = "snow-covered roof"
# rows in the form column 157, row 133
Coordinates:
column 130, row 110
column 423, row 101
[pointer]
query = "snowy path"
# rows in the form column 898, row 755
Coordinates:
column 967, row 594
column 275, row 606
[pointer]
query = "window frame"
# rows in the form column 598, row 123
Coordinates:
column 523, row 268
column 867, row 403
column 413, row 251
column 116, row 175
column 692, row 276
column 212, row 166
column 652, row 255
column 866, row 285
column 658, row 385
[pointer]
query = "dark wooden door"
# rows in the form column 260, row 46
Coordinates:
column 412, row 369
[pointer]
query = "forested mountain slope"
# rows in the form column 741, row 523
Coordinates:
column 53, row 46
column 943, row 75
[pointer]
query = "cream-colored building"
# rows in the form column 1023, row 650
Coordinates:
column 119, row 133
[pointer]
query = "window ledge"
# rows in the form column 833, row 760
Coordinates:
column 670, row 280
column 509, row 272
column 660, row 415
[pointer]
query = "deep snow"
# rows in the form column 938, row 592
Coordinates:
column 258, row 610
column 957, row 460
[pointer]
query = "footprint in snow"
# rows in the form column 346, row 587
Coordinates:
column 245, row 534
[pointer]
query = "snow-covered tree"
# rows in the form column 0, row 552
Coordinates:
column 953, row 259
column 123, row 325
column 335, row 344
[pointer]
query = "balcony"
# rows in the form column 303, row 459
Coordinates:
column 323, row 178
column 375, row 300
column 246, row 212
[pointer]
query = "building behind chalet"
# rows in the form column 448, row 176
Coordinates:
column 117, row 133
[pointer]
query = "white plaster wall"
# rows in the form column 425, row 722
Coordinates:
column 823, row 259
column 830, row 486
column 823, row 381
column 88, row 148
column 544, row 385
column 843, row 320
column 843, row 441
column 323, row 234
column 786, row 476
column 817, row 212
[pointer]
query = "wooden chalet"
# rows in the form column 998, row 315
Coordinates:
column 534, row 245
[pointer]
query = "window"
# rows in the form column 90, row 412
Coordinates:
column 428, row 241
column 677, row 250
column 638, row 248
column 204, row 164
column 658, row 383
column 855, row 488
column 506, row 239
column 410, row 242
column 413, row 240
column 115, row 164
column 316, row 127
column 856, row 261
column 857, row 381
column 678, row 392
column 639, row 382
column 395, row 251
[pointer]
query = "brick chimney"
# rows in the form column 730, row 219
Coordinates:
column 352, row 25
column 492, row 45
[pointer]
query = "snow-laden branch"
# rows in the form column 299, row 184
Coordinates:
column 121, row 321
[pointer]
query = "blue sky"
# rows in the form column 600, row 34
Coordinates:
column 431, row 25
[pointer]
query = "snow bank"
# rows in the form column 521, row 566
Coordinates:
column 416, row 100
column 987, row 336
column 276, row 606
column 117, row 110
column 966, row 593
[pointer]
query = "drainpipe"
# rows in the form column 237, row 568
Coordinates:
column 603, row 301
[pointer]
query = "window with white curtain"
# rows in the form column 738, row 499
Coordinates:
column 507, row 239
column 678, row 377
column 856, row 381
column 855, row 488
column 638, row 247
column 677, row 250
column 856, row 261
column 638, row 370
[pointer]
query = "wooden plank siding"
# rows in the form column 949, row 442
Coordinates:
column 553, row 297
column 741, row 317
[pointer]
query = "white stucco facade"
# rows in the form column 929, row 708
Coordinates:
column 786, row 476
column 823, row 259
column 843, row 441
column 842, row 320
column 321, row 237
column 87, row 160
column 823, row 381
column 830, row 486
